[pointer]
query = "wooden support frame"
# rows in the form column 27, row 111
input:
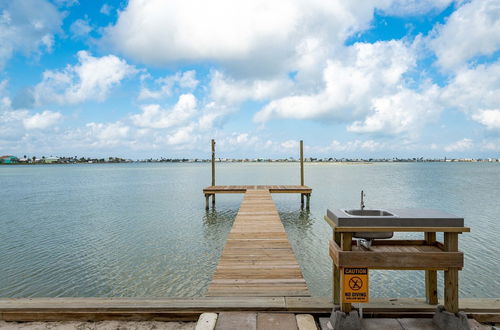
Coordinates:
column 346, row 245
column 451, row 275
column 431, row 257
column 431, row 294
column 336, row 273
column 393, row 256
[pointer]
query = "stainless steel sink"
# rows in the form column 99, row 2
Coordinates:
column 368, row 213
column 369, row 236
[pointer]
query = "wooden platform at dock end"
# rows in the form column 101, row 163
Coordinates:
column 277, row 189
column 257, row 259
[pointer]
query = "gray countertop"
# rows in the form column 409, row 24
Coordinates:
column 411, row 217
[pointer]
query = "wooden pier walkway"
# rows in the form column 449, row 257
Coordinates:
column 257, row 260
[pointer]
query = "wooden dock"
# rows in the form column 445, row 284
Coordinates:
column 258, row 260
column 279, row 189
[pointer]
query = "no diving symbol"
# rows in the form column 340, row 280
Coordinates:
column 355, row 283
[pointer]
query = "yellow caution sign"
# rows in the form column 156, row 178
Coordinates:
column 355, row 285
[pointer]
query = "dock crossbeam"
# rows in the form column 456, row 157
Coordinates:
column 304, row 191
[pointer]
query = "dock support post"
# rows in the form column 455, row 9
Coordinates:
column 213, row 162
column 451, row 275
column 213, row 172
column 301, row 201
column 431, row 276
column 336, row 273
column 308, row 198
column 301, row 162
column 206, row 201
column 346, row 245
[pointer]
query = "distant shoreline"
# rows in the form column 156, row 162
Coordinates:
column 316, row 162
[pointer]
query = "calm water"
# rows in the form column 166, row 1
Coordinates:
column 141, row 229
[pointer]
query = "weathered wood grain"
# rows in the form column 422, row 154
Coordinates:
column 258, row 259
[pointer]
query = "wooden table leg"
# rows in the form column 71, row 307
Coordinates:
column 336, row 273
column 451, row 275
column 431, row 276
column 346, row 245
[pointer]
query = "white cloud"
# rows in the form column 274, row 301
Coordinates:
column 106, row 9
column 290, row 144
column 489, row 118
column 253, row 38
column 416, row 7
column 460, row 146
column 184, row 80
column 80, row 28
column 67, row 3
column 360, row 74
column 159, row 31
column 227, row 90
column 91, row 79
column 182, row 136
column 105, row 134
column 474, row 90
column 153, row 116
column 42, row 120
column 491, row 145
column 473, row 29
column 242, row 139
column 405, row 112
column 353, row 146
column 28, row 27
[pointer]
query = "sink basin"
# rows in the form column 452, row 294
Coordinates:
column 368, row 213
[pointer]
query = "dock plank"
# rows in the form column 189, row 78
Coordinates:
column 258, row 259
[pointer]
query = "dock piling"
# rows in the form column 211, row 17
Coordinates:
column 213, row 177
column 301, row 162
column 213, row 162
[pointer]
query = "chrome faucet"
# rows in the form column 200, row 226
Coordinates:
column 362, row 201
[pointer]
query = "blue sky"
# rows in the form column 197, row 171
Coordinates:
column 156, row 78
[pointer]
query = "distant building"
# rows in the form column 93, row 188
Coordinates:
column 9, row 159
column 50, row 160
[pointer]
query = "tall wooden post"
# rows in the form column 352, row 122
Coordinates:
column 301, row 171
column 213, row 169
column 301, row 162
